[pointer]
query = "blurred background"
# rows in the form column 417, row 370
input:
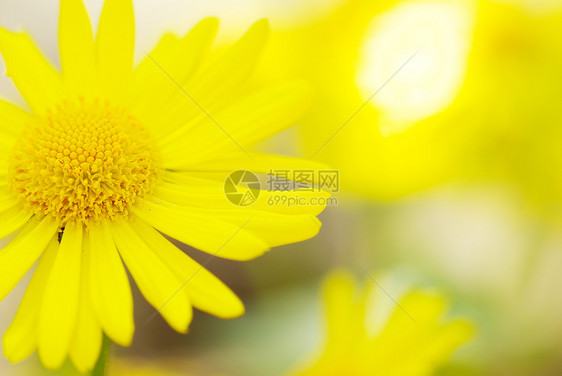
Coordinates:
column 444, row 120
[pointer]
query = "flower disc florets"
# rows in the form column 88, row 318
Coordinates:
column 84, row 161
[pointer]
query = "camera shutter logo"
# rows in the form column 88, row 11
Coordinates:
column 242, row 188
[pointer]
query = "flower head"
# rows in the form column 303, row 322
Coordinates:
column 85, row 162
column 111, row 157
column 413, row 340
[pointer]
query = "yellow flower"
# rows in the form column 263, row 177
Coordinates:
column 413, row 340
column 501, row 123
column 327, row 53
column 504, row 125
column 341, row 128
column 112, row 157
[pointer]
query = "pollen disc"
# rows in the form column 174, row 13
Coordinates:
column 84, row 161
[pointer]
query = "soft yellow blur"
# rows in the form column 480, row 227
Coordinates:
column 464, row 90
column 362, row 339
column 430, row 39
column 344, row 130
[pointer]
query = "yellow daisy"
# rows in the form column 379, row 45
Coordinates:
column 362, row 340
column 110, row 157
column 502, row 123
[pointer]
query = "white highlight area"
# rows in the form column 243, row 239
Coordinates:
column 439, row 34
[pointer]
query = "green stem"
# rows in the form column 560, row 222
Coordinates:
column 101, row 366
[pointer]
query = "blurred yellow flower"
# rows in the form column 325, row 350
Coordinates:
column 340, row 129
column 495, row 118
column 357, row 345
column 108, row 159
column 504, row 125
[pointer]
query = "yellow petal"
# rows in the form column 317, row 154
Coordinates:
column 6, row 143
column 273, row 217
column 240, row 125
column 59, row 309
column 228, row 71
column 256, row 162
column 86, row 343
column 234, row 67
column 76, row 44
column 440, row 343
column 218, row 82
column 22, row 252
column 13, row 119
column 186, row 190
column 426, row 307
column 161, row 288
column 115, row 46
column 430, row 340
column 273, row 228
column 145, row 80
column 205, row 291
column 20, row 340
column 171, row 63
column 339, row 296
column 109, row 286
column 13, row 218
column 147, row 70
column 420, row 306
column 203, row 231
column 35, row 78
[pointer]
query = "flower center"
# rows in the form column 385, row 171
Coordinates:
column 84, row 161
